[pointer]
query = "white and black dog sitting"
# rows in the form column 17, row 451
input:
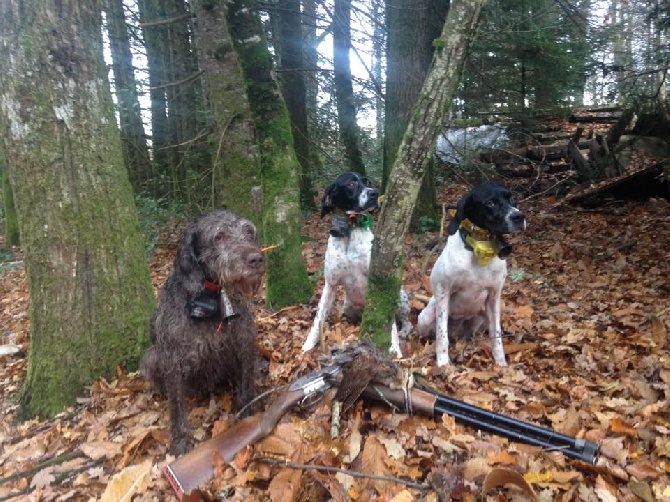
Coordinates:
column 350, row 198
column 469, row 275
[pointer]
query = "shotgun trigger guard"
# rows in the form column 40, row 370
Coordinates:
column 316, row 382
column 310, row 399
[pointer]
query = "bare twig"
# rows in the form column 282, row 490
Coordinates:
column 63, row 457
column 353, row 474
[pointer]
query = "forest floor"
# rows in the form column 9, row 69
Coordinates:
column 587, row 316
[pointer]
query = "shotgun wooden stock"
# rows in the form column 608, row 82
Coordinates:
column 196, row 467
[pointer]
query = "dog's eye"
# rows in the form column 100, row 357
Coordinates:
column 513, row 200
column 249, row 231
column 219, row 237
column 352, row 184
column 490, row 203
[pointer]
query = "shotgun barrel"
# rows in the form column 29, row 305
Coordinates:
column 433, row 403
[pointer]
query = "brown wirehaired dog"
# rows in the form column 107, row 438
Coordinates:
column 203, row 333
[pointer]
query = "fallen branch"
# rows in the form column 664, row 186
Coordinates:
column 59, row 459
column 354, row 474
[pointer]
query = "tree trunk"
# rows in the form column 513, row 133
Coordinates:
column 311, row 54
column 311, row 78
column 344, row 90
column 188, row 153
column 412, row 27
column 292, row 80
column 413, row 156
column 287, row 281
column 152, row 13
column 236, row 172
column 133, row 137
column 11, row 222
column 90, row 291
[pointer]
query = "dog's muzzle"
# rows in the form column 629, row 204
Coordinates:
column 369, row 200
column 515, row 220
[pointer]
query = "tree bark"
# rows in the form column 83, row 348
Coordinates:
column 287, row 281
column 292, row 80
column 236, row 171
column 344, row 90
column 412, row 27
column 133, row 137
column 188, row 154
column 90, row 290
column 151, row 12
column 311, row 55
column 11, row 221
column 413, row 156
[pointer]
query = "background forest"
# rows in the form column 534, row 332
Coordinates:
column 122, row 119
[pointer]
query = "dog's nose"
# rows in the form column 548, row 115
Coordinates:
column 518, row 220
column 518, row 217
column 256, row 260
column 373, row 193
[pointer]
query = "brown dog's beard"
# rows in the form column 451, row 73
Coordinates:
column 241, row 284
column 238, row 281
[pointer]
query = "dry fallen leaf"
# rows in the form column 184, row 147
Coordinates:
column 285, row 486
column 643, row 470
column 133, row 480
column 499, row 477
column 374, row 461
column 99, row 449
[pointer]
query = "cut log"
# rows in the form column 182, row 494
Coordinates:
column 642, row 183
column 594, row 119
column 554, row 152
column 619, row 127
column 578, row 161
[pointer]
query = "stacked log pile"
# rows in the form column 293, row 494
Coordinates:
column 596, row 153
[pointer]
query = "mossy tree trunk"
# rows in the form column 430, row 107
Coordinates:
column 11, row 221
column 287, row 281
column 236, row 171
column 414, row 154
column 90, row 290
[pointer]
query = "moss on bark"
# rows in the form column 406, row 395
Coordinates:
column 287, row 280
column 236, row 173
column 11, row 221
column 382, row 302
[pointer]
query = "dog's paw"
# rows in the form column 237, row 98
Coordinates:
column 443, row 360
column 394, row 350
column 181, row 444
column 311, row 341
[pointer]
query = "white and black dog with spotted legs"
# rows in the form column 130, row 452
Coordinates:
column 350, row 199
column 469, row 275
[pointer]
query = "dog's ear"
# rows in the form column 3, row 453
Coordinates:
column 327, row 201
column 188, row 260
column 455, row 222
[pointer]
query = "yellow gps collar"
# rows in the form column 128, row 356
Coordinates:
column 482, row 243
